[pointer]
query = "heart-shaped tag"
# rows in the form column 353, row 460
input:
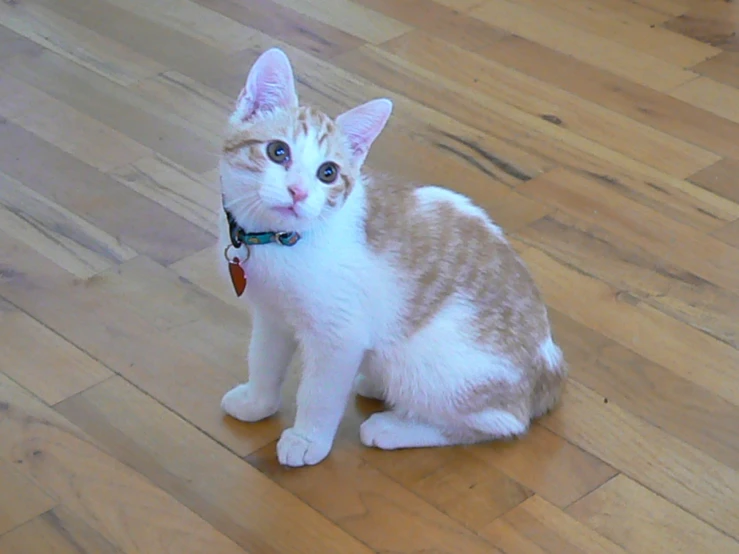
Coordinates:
column 238, row 276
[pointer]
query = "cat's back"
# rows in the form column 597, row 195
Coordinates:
column 445, row 246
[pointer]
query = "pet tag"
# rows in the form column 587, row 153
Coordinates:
column 238, row 275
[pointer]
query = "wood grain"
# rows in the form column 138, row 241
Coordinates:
column 601, row 135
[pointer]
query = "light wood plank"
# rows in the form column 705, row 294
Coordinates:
column 617, row 93
column 56, row 532
column 221, row 488
column 537, row 527
column 57, row 233
column 118, row 503
column 691, row 354
column 583, row 45
column 22, row 499
column 77, row 43
column 680, row 473
column 710, row 95
column 635, row 518
column 375, row 509
column 98, row 199
column 488, row 79
column 350, row 17
column 43, row 362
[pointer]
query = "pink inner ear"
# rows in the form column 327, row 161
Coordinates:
column 363, row 124
column 269, row 86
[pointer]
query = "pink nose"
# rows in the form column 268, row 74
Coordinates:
column 298, row 193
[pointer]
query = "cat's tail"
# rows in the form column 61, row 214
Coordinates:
column 552, row 376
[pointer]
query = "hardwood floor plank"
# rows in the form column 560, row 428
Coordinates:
column 188, row 17
column 647, row 38
column 468, row 489
column 119, row 108
column 615, row 9
column 712, row 96
column 57, row 531
column 729, row 234
column 719, row 179
column 541, row 462
column 365, row 24
column 656, row 394
column 643, row 276
column 723, row 68
column 691, row 354
column 54, row 453
column 42, row 361
column 125, row 339
column 495, row 135
column 69, row 130
column 638, row 102
column 372, row 507
column 12, row 44
column 97, row 198
column 221, row 488
column 583, row 45
column 680, row 473
column 57, row 233
column 709, row 22
column 592, row 201
column 638, row 520
column 180, row 191
column 22, row 499
column 77, row 43
column 446, row 23
column 489, row 79
column 537, row 527
column 555, row 470
column 298, row 30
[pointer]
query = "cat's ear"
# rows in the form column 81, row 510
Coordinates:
column 363, row 124
column 269, row 86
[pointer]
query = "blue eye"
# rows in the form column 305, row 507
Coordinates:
column 278, row 151
column 328, row 172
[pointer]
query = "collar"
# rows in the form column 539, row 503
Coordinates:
column 239, row 236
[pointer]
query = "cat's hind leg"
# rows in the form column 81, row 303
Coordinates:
column 390, row 431
column 494, row 423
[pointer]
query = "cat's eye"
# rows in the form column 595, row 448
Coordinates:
column 278, row 151
column 328, row 172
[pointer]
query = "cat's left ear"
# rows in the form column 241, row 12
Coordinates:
column 269, row 86
column 363, row 124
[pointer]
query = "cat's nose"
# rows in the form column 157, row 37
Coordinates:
column 298, row 193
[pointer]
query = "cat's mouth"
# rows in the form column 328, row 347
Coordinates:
column 287, row 211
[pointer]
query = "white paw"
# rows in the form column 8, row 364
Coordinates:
column 297, row 450
column 380, row 430
column 367, row 388
column 242, row 404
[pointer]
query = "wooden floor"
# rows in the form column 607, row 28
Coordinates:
column 603, row 135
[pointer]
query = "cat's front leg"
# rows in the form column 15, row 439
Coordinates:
column 270, row 351
column 324, row 390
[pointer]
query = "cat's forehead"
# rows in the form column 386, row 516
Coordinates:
column 304, row 124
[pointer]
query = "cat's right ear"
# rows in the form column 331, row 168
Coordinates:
column 270, row 86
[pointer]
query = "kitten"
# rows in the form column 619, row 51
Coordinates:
column 408, row 294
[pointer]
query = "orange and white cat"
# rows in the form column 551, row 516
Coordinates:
column 409, row 294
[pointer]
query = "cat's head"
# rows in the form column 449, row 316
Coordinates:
column 287, row 166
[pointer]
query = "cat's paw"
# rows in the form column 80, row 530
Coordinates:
column 241, row 403
column 367, row 388
column 381, row 431
column 296, row 450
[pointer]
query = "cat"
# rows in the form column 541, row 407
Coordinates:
column 405, row 293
